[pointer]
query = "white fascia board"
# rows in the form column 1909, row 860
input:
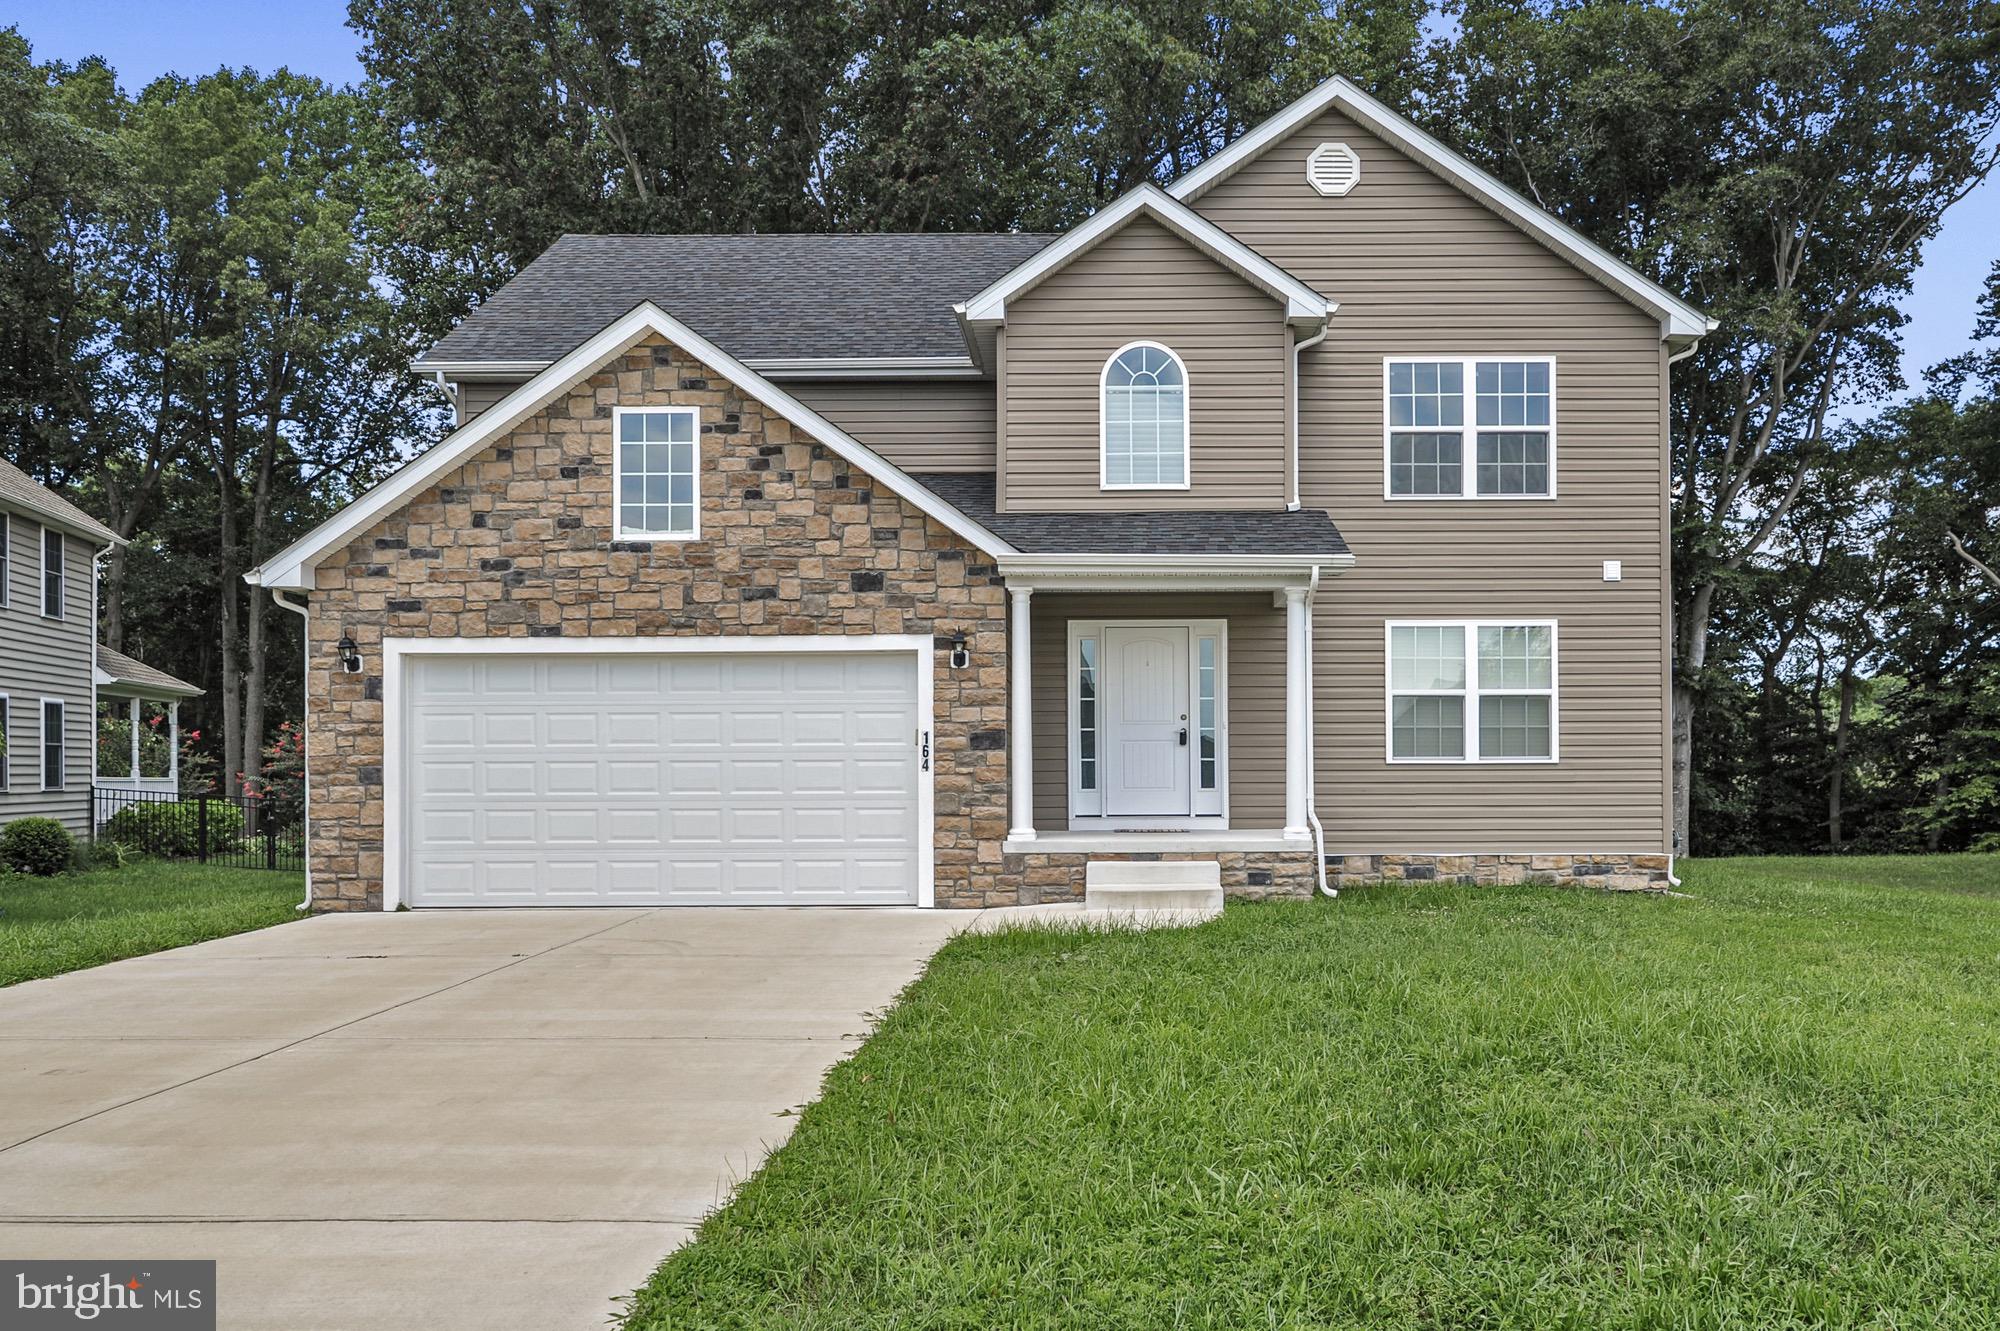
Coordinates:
column 1302, row 303
column 866, row 367
column 465, row 369
column 292, row 567
column 1115, row 572
column 1678, row 318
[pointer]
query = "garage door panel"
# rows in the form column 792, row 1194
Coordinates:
column 701, row 779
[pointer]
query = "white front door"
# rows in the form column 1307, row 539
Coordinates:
column 1146, row 733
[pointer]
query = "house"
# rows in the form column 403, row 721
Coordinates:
column 52, row 669
column 1306, row 517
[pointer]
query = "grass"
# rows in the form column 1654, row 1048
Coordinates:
column 1775, row 1103
column 52, row 925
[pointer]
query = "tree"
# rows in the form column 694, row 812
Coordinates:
column 1780, row 163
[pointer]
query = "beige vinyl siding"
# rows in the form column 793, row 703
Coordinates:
column 1255, row 682
column 1420, row 268
column 1144, row 282
column 918, row 424
column 476, row 395
column 45, row 658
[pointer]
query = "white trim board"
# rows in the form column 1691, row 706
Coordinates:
column 396, row 650
column 1302, row 304
column 1678, row 319
column 293, row 566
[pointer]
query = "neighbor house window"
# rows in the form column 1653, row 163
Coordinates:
column 1467, row 428
column 656, row 491
column 1472, row 691
column 52, row 573
column 1145, row 419
column 6, row 558
column 5, row 718
column 53, row 756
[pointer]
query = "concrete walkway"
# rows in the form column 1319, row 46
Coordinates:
column 480, row 1119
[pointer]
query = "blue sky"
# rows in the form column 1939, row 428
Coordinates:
column 145, row 38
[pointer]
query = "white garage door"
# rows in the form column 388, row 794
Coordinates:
column 699, row 779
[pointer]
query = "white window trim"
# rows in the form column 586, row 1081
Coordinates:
column 62, row 739
column 42, row 573
column 6, row 555
column 1208, row 809
column 618, row 531
column 1468, row 433
column 6, row 741
column 1471, row 693
column 1104, row 419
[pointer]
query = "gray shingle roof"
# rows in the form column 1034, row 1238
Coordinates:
column 142, row 678
column 758, row 297
column 1307, row 531
column 22, row 491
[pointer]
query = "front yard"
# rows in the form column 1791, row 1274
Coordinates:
column 1773, row 1104
column 52, row 925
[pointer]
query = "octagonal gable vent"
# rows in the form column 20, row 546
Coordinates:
column 1333, row 169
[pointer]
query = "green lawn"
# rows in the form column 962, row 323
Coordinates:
column 52, row 925
column 1775, row 1103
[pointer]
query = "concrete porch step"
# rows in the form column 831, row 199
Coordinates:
column 1137, row 885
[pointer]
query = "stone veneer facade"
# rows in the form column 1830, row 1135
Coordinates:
column 517, row 543
column 1618, row 873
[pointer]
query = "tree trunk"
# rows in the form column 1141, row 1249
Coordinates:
column 1837, row 782
column 256, row 649
column 230, row 591
column 1692, row 636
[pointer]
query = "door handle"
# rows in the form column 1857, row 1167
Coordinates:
column 1184, row 737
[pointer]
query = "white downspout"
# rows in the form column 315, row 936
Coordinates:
column 1312, row 724
column 305, row 736
column 1292, row 501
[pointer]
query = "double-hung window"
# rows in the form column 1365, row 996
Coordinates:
column 6, row 554
column 1472, row 691
column 54, row 758
column 655, row 463
column 1470, row 428
column 6, row 706
column 52, row 573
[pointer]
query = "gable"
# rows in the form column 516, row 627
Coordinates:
column 293, row 566
column 1144, row 263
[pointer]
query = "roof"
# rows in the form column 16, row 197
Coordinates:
column 1305, row 531
column 1679, row 320
column 20, row 490
column 116, row 668
column 1302, row 304
column 293, row 566
column 775, row 297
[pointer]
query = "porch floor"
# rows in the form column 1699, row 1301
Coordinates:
column 1144, row 843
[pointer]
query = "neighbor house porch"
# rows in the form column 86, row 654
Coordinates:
column 138, row 725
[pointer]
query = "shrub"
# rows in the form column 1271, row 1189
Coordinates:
column 173, row 829
column 40, row 846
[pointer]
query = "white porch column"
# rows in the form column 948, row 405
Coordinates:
column 132, row 713
column 1020, row 727
column 1298, row 624
column 174, row 744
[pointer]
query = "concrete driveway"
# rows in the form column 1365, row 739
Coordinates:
column 430, row 1119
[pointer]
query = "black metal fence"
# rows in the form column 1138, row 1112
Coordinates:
column 229, row 830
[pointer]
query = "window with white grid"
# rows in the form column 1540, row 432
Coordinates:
column 1145, row 416
column 656, row 457
column 1471, row 691
column 1498, row 445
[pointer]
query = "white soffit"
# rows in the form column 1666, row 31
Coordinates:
column 1678, row 319
column 292, row 567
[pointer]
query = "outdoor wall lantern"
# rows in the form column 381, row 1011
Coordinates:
column 350, row 655
column 960, row 658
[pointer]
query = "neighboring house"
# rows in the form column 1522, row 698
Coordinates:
column 1316, row 502
column 139, row 727
column 53, row 673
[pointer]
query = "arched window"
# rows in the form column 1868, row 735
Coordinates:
column 1145, row 413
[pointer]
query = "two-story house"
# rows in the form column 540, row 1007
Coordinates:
column 1307, row 517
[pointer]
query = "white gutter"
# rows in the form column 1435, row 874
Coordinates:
column 1292, row 500
column 305, row 737
column 1312, row 780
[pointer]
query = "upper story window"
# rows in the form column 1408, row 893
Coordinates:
column 1145, row 416
column 52, row 573
column 1472, row 691
column 655, row 479
column 1470, row 428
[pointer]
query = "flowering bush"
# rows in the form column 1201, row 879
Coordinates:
column 278, row 793
column 200, row 774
